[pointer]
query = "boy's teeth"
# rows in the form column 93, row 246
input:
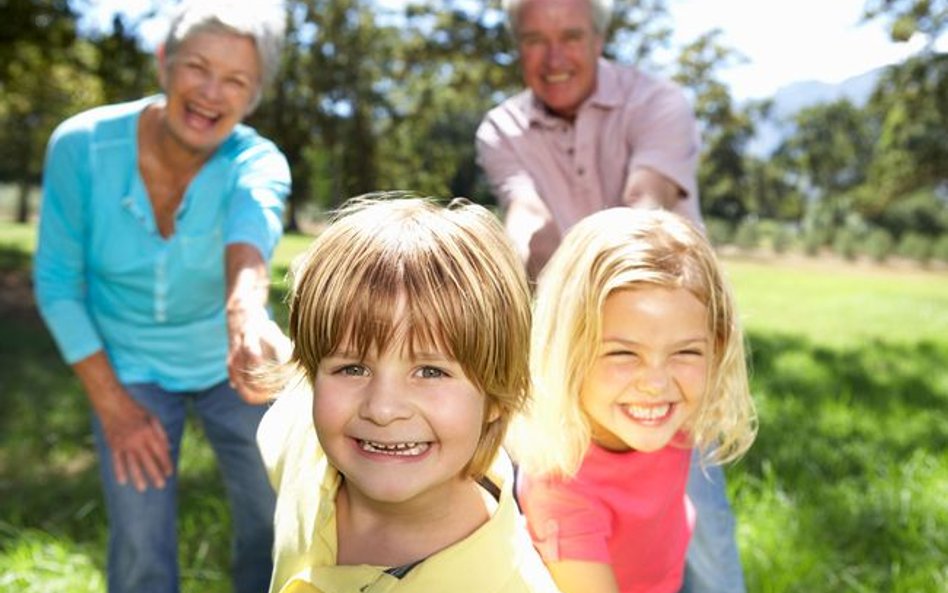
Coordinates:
column 648, row 412
column 401, row 449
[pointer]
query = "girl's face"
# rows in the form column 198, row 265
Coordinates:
column 399, row 427
column 651, row 369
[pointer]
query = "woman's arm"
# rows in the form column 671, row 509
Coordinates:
column 140, row 448
column 253, row 336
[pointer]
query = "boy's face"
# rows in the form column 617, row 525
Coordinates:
column 651, row 370
column 399, row 427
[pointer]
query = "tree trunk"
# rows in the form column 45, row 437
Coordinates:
column 23, row 201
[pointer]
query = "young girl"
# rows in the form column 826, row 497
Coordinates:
column 636, row 357
column 410, row 323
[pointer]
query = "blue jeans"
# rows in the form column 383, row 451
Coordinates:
column 143, row 546
column 713, row 565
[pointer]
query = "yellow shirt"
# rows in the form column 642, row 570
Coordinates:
column 497, row 558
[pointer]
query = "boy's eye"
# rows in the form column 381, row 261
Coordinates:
column 431, row 373
column 352, row 370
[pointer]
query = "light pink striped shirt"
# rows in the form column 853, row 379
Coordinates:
column 570, row 170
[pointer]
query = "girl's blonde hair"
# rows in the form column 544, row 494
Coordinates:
column 616, row 249
column 413, row 273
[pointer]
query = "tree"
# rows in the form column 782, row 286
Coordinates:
column 911, row 103
column 725, row 129
column 44, row 76
column 907, row 17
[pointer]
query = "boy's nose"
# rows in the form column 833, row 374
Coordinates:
column 384, row 402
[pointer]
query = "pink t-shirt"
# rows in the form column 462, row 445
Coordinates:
column 570, row 170
column 628, row 510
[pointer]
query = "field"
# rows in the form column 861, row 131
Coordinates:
column 846, row 488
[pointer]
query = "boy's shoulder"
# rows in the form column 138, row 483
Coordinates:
column 286, row 432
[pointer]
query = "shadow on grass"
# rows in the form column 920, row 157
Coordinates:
column 841, row 489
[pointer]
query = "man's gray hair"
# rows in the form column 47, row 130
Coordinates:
column 263, row 21
column 600, row 11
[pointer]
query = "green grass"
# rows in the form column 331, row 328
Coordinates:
column 844, row 490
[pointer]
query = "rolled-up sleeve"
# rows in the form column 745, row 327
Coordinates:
column 506, row 174
column 255, row 213
column 59, row 264
column 666, row 138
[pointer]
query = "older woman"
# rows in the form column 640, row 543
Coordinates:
column 158, row 219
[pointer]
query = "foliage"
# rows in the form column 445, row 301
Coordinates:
column 915, row 246
column 725, row 129
column 911, row 104
column 878, row 244
column 907, row 17
column 940, row 249
column 747, row 235
column 720, row 231
column 845, row 243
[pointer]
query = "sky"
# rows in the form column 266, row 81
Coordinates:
column 784, row 42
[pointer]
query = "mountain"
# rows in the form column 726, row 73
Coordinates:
column 790, row 99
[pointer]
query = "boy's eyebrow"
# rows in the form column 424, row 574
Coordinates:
column 436, row 355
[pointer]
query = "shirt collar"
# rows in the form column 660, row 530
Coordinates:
column 492, row 545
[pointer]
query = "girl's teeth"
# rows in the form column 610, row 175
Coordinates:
column 648, row 412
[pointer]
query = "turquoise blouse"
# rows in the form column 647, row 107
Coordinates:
column 105, row 278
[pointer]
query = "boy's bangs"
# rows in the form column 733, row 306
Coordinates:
column 375, row 315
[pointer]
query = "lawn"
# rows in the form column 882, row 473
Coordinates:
column 846, row 488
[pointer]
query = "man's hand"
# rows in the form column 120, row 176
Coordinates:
column 647, row 188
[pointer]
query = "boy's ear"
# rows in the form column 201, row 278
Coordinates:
column 493, row 412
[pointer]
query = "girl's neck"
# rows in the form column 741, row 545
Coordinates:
column 396, row 534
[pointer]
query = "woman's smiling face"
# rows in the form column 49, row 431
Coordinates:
column 210, row 83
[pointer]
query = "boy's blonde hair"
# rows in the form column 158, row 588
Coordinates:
column 448, row 271
column 616, row 249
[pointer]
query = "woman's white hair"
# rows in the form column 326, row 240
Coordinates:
column 262, row 21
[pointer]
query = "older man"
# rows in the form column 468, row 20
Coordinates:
column 588, row 134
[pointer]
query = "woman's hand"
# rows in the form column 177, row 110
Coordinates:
column 255, row 341
column 140, row 448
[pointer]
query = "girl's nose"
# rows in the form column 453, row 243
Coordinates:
column 653, row 380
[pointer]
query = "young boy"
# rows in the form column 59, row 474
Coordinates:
column 410, row 323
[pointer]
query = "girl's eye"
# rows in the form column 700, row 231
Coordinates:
column 691, row 353
column 618, row 353
column 432, row 373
